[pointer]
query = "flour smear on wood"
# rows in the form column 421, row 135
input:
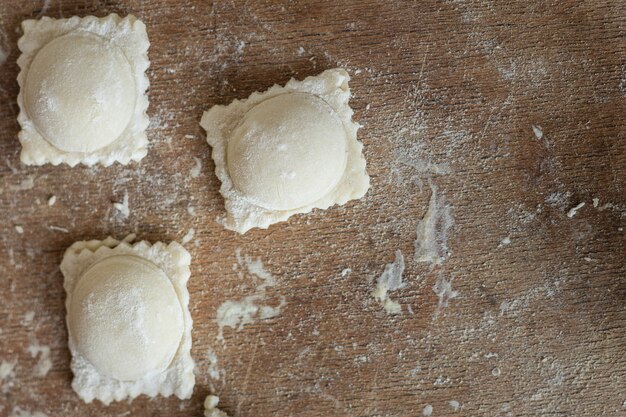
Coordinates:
column 390, row 280
column 431, row 242
column 237, row 313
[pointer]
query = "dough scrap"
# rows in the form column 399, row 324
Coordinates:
column 132, row 299
column 83, row 89
column 287, row 150
column 210, row 407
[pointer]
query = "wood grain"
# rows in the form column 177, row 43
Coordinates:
column 538, row 327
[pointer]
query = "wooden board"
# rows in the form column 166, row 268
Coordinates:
column 447, row 92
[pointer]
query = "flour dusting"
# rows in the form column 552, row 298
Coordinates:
column 237, row 313
column 26, row 184
column 454, row 405
column 445, row 293
column 214, row 370
column 432, row 231
column 194, row 172
column 538, row 132
column 44, row 364
column 20, row 412
column 123, row 207
column 574, row 210
column 189, row 236
column 390, row 280
column 7, row 372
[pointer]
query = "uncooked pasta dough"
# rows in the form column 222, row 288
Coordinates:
column 128, row 320
column 80, row 92
column 287, row 150
column 82, row 96
column 126, row 304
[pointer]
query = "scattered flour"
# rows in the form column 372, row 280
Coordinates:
column 196, row 169
column 44, row 364
column 214, row 371
column 505, row 241
column 445, row 293
column 559, row 199
column 432, row 231
column 19, row 229
column 52, row 200
column 28, row 318
column 26, row 184
column 189, row 236
column 123, row 207
column 454, row 405
column 428, row 410
column 20, row 412
column 346, row 272
column 538, row 132
column 390, row 280
column 7, row 371
column 574, row 210
column 423, row 166
column 238, row 313
column 210, row 407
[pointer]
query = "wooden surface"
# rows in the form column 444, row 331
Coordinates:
column 447, row 93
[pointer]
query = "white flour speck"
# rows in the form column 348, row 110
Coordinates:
column 7, row 371
column 28, row 318
column 214, row 371
column 52, row 200
column 428, row 410
column 390, row 280
column 189, row 236
column 432, row 231
column 26, row 184
column 346, row 272
column 19, row 229
column 44, row 364
column 538, row 132
column 123, row 207
column 445, row 293
column 454, row 405
column 196, row 169
column 574, row 210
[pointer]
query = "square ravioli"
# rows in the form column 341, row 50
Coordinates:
column 83, row 90
column 287, row 150
column 128, row 319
